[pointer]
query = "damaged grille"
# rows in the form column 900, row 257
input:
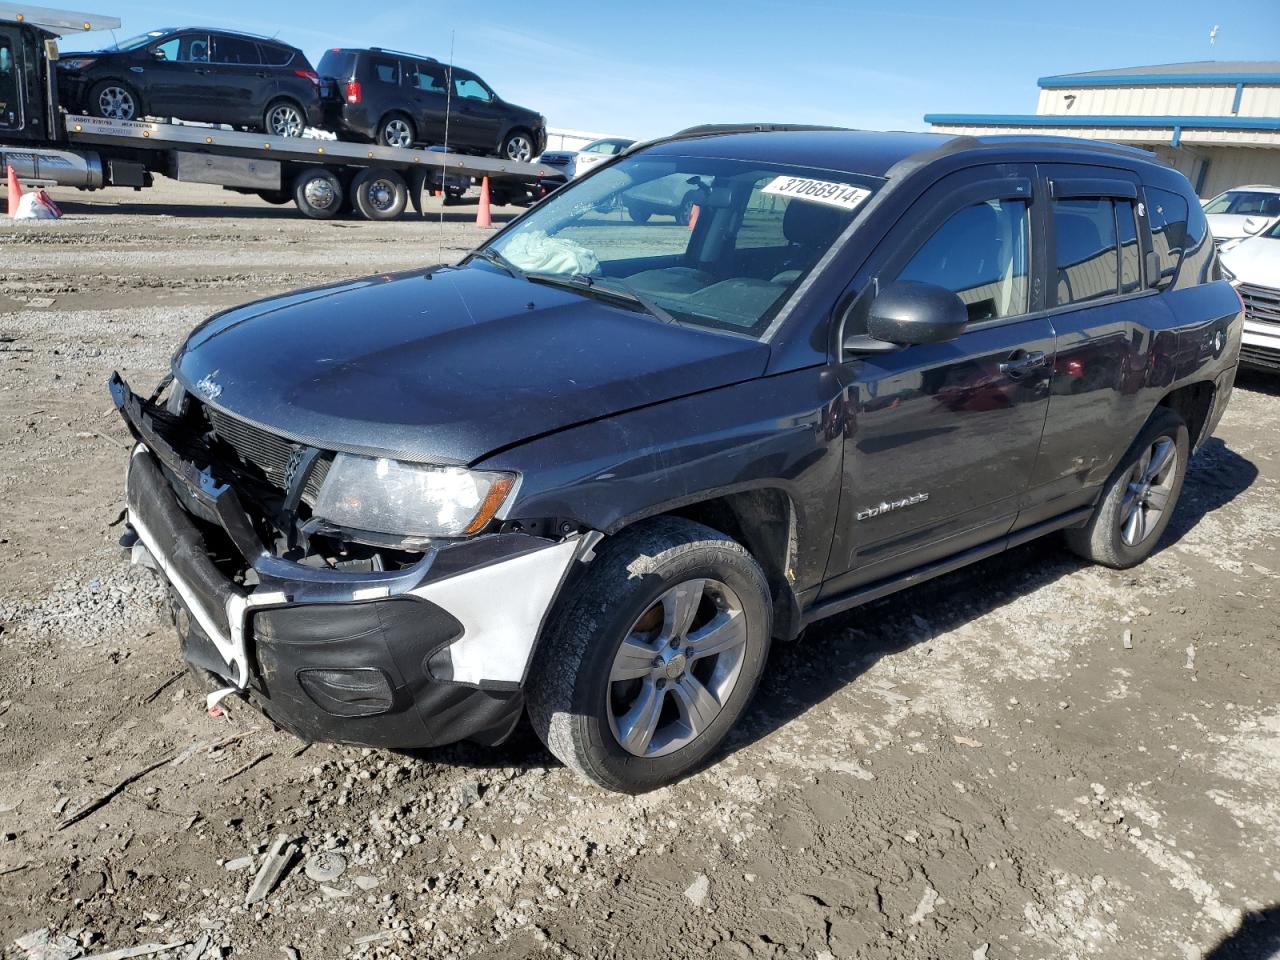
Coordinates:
column 274, row 456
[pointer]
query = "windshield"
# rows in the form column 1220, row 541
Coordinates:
column 133, row 43
column 1245, row 203
column 711, row 242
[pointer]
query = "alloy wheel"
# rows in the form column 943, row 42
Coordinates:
column 676, row 668
column 381, row 194
column 285, row 120
column 1149, row 491
column 520, row 149
column 397, row 133
column 117, row 103
column 320, row 193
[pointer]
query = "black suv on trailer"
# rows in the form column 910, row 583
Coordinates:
column 193, row 73
column 400, row 99
column 599, row 466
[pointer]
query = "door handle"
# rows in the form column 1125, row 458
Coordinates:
column 201, row 71
column 262, row 75
column 1022, row 363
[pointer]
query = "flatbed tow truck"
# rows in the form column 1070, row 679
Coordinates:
column 47, row 146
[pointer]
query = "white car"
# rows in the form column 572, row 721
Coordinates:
column 574, row 163
column 1255, row 264
column 1243, row 212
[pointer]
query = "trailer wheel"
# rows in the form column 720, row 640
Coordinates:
column 380, row 194
column 318, row 193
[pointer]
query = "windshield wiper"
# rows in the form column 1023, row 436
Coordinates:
column 611, row 288
column 499, row 261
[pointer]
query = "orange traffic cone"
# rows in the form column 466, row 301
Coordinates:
column 484, row 217
column 15, row 191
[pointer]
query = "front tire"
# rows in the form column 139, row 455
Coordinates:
column 1139, row 498
column 652, row 662
column 114, row 100
column 518, row 146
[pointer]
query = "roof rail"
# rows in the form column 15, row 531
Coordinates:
column 716, row 129
column 404, row 53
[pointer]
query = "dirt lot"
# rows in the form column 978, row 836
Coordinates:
column 978, row 768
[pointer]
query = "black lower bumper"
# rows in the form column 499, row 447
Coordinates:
column 357, row 673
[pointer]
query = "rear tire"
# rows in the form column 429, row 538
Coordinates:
column 379, row 194
column 397, row 130
column 318, row 193
column 284, row 118
column 1139, row 498
column 660, row 647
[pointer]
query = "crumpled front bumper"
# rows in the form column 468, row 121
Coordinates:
column 430, row 654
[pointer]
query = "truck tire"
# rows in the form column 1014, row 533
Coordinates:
column 318, row 193
column 654, row 656
column 639, row 212
column 114, row 100
column 1139, row 498
column 379, row 194
column 275, row 197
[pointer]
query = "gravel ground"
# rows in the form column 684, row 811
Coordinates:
column 980, row 767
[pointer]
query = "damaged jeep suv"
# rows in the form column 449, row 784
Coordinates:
column 593, row 470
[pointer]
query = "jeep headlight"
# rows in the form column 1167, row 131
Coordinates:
column 408, row 499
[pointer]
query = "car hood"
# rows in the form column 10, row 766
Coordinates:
column 1228, row 226
column 446, row 366
column 1255, row 261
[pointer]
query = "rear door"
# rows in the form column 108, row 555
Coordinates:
column 1106, row 316
column 426, row 87
column 944, row 436
column 241, row 82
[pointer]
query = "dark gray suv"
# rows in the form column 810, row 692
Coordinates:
column 400, row 99
column 598, row 467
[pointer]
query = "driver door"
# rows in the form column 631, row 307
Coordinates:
column 943, row 437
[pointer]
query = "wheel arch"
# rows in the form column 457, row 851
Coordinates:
column 1194, row 403
column 765, row 521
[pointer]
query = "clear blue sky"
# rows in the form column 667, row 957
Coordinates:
column 643, row 69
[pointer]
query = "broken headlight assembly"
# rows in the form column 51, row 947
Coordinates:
column 409, row 499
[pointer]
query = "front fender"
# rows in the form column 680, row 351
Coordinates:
column 784, row 433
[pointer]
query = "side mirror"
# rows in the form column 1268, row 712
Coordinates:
column 907, row 312
column 1255, row 225
column 1155, row 280
column 158, row 53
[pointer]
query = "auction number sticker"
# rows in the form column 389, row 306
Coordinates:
column 818, row 191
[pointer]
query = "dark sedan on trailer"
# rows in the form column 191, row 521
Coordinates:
column 197, row 74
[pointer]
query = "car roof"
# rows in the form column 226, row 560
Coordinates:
column 873, row 153
column 228, row 32
column 1255, row 187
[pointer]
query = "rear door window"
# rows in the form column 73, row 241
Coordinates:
column 385, row 70
column 235, row 50
column 425, row 76
column 1088, row 259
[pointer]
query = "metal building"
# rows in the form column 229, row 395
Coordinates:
column 1216, row 121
